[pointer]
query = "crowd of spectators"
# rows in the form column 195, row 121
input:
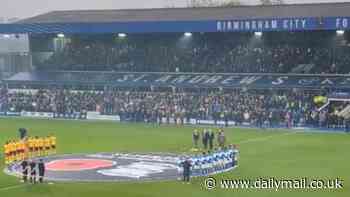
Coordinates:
column 254, row 107
column 299, row 52
column 235, row 53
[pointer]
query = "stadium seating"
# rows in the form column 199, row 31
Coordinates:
column 269, row 108
column 235, row 53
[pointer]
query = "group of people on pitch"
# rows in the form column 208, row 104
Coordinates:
column 33, row 170
column 29, row 147
column 26, row 151
column 207, row 137
column 220, row 160
column 211, row 160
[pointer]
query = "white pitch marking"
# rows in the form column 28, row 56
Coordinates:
column 12, row 187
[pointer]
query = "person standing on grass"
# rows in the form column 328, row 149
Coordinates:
column 22, row 133
column 186, row 170
column 25, row 169
column 221, row 139
column 211, row 137
column 41, row 169
column 205, row 139
column 202, row 163
column 195, row 137
column 33, row 171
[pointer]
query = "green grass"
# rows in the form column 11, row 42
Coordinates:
column 269, row 153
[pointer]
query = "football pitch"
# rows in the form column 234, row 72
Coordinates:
column 270, row 153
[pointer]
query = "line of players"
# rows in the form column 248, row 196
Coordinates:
column 29, row 147
column 209, row 163
column 34, row 170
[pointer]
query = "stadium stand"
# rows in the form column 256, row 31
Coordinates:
column 273, row 108
column 213, row 52
column 247, row 59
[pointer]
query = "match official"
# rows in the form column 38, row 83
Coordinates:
column 221, row 138
column 41, row 169
column 195, row 137
column 33, row 169
column 205, row 138
column 211, row 137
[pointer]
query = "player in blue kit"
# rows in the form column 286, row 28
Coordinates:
column 216, row 160
column 222, row 161
column 227, row 159
column 205, row 164
column 231, row 155
column 180, row 164
column 196, row 167
column 210, row 161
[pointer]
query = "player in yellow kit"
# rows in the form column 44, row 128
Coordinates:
column 41, row 146
column 31, row 147
column 53, row 144
column 12, row 150
column 7, row 153
column 25, row 149
column 22, row 149
column 36, row 146
column 18, row 150
column 47, row 145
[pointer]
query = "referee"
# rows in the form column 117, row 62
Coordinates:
column 41, row 169
column 33, row 170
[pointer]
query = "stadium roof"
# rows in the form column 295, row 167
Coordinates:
column 298, row 17
column 193, row 14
